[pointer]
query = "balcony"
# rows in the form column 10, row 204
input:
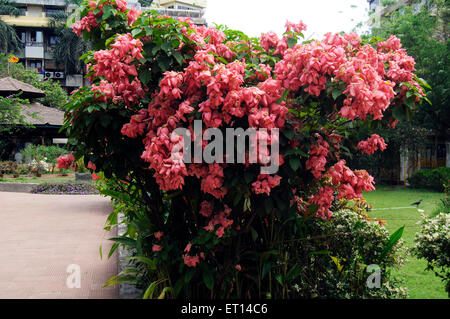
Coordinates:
column 29, row 20
column 34, row 50
column 195, row 15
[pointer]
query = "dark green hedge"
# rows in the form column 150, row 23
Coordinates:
column 428, row 178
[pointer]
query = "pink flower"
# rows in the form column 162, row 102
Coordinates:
column 64, row 161
column 370, row 145
column 91, row 166
column 206, row 208
column 188, row 248
column 158, row 235
column 132, row 15
column 156, row 248
column 191, row 261
column 238, row 267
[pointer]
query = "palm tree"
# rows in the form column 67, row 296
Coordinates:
column 9, row 41
column 69, row 47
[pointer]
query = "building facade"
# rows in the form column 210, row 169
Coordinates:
column 39, row 38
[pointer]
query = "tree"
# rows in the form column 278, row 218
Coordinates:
column 69, row 48
column 230, row 226
column 55, row 96
column 9, row 41
column 423, row 30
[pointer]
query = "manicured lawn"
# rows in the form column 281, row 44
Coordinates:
column 420, row 283
column 46, row 178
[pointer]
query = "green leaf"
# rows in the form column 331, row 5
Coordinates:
column 398, row 113
column 208, row 279
column 279, row 279
column 265, row 269
column 149, row 262
column 294, row 272
column 125, row 241
column 107, row 12
column 254, row 233
column 294, row 163
column 113, row 249
column 177, row 55
column 393, row 239
column 291, row 42
column 336, row 93
column 189, row 275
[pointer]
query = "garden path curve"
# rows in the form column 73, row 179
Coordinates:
column 41, row 235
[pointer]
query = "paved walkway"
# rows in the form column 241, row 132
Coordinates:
column 41, row 235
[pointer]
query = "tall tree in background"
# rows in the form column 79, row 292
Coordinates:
column 422, row 27
column 69, row 46
column 9, row 41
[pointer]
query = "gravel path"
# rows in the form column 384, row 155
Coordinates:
column 41, row 235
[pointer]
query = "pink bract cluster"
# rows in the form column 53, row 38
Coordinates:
column 64, row 161
column 372, row 144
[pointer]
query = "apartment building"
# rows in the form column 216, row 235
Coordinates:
column 38, row 38
column 32, row 27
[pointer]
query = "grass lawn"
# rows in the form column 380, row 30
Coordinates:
column 420, row 283
column 45, row 178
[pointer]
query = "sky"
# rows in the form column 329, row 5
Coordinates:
column 256, row 16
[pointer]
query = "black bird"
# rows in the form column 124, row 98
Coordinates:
column 417, row 203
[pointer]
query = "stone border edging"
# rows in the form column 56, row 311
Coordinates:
column 17, row 187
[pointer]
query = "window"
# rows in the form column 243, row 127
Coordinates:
column 35, row 65
column 52, row 40
column 34, row 38
column 52, row 11
column 184, row 8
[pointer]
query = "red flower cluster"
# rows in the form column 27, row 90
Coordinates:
column 90, row 20
column 64, row 161
column 114, row 68
column 370, row 145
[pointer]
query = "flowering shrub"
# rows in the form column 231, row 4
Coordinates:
column 433, row 245
column 226, row 226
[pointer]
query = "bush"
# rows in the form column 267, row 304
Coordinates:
column 8, row 167
column 433, row 245
column 348, row 244
column 433, row 179
column 70, row 188
column 42, row 157
column 228, row 228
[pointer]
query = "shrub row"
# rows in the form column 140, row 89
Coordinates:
column 433, row 179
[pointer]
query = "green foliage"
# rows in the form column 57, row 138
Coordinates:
column 424, row 34
column 433, row 179
column 433, row 245
column 55, row 96
column 69, row 47
column 47, row 154
column 330, row 261
column 8, row 167
column 9, row 41
column 404, row 135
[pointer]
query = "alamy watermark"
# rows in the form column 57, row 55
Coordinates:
column 234, row 140
column 374, row 279
column 74, row 278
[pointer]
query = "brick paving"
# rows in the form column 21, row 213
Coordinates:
column 41, row 235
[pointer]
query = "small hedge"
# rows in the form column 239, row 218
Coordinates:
column 428, row 178
column 71, row 188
